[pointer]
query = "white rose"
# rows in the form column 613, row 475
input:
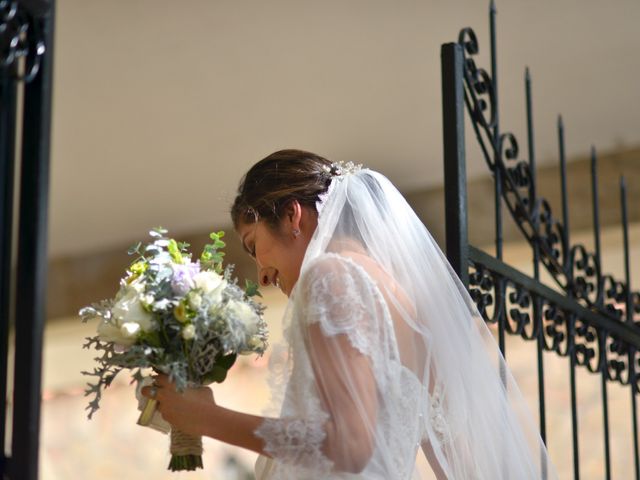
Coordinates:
column 212, row 286
column 207, row 281
column 129, row 309
column 245, row 314
column 215, row 298
column 188, row 332
column 110, row 332
column 130, row 330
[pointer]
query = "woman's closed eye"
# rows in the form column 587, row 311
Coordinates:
column 250, row 249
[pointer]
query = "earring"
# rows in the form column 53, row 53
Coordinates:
column 296, row 232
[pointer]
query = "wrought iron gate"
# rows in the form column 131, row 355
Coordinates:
column 595, row 321
column 26, row 47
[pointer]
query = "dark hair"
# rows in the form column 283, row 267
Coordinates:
column 273, row 182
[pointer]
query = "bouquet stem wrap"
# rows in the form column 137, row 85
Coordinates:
column 186, row 451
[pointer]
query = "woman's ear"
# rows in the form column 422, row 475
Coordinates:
column 293, row 215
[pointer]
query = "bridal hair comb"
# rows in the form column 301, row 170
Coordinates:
column 338, row 169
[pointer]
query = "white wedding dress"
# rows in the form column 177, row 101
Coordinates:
column 342, row 297
column 385, row 353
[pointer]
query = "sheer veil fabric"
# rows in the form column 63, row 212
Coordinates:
column 385, row 355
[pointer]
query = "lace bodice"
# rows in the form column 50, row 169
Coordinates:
column 340, row 297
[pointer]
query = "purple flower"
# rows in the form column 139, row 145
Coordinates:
column 183, row 274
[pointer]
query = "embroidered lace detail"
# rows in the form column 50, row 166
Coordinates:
column 346, row 301
column 437, row 417
column 296, row 441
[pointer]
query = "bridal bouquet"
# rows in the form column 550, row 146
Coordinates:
column 186, row 319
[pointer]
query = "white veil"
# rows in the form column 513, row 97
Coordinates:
column 396, row 325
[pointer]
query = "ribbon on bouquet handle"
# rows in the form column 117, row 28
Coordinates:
column 149, row 416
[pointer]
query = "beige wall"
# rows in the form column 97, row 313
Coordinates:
column 77, row 280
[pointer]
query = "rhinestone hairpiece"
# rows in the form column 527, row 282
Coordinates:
column 338, row 169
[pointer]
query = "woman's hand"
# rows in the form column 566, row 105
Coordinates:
column 189, row 411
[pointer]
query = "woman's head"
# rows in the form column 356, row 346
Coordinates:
column 275, row 212
column 272, row 183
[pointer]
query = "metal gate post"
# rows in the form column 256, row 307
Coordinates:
column 455, row 177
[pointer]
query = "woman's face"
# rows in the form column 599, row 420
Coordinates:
column 278, row 253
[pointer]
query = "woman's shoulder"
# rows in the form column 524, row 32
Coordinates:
column 340, row 264
column 341, row 274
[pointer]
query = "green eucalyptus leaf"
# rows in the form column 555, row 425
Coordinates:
column 217, row 375
column 251, row 288
column 226, row 361
column 134, row 248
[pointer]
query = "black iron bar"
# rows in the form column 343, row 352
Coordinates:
column 565, row 202
column 605, row 369
column 574, row 407
column 532, row 156
column 604, row 376
column 537, row 311
column 571, row 318
column 452, row 59
column 596, row 209
column 7, row 169
column 32, row 261
column 497, row 173
column 625, row 240
column 629, row 321
column 496, row 132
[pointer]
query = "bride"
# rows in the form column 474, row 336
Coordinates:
column 385, row 353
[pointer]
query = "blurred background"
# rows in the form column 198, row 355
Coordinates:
column 160, row 107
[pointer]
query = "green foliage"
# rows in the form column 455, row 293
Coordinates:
column 174, row 251
column 211, row 258
column 135, row 249
column 251, row 288
column 219, row 371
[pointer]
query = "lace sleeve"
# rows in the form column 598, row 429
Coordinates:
column 343, row 299
column 331, row 406
column 296, row 441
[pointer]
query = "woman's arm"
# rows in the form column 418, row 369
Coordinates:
column 195, row 412
column 347, row 388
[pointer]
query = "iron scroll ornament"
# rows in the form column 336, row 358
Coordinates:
column 563, row 330
column 573, row 267
column 22, row 37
